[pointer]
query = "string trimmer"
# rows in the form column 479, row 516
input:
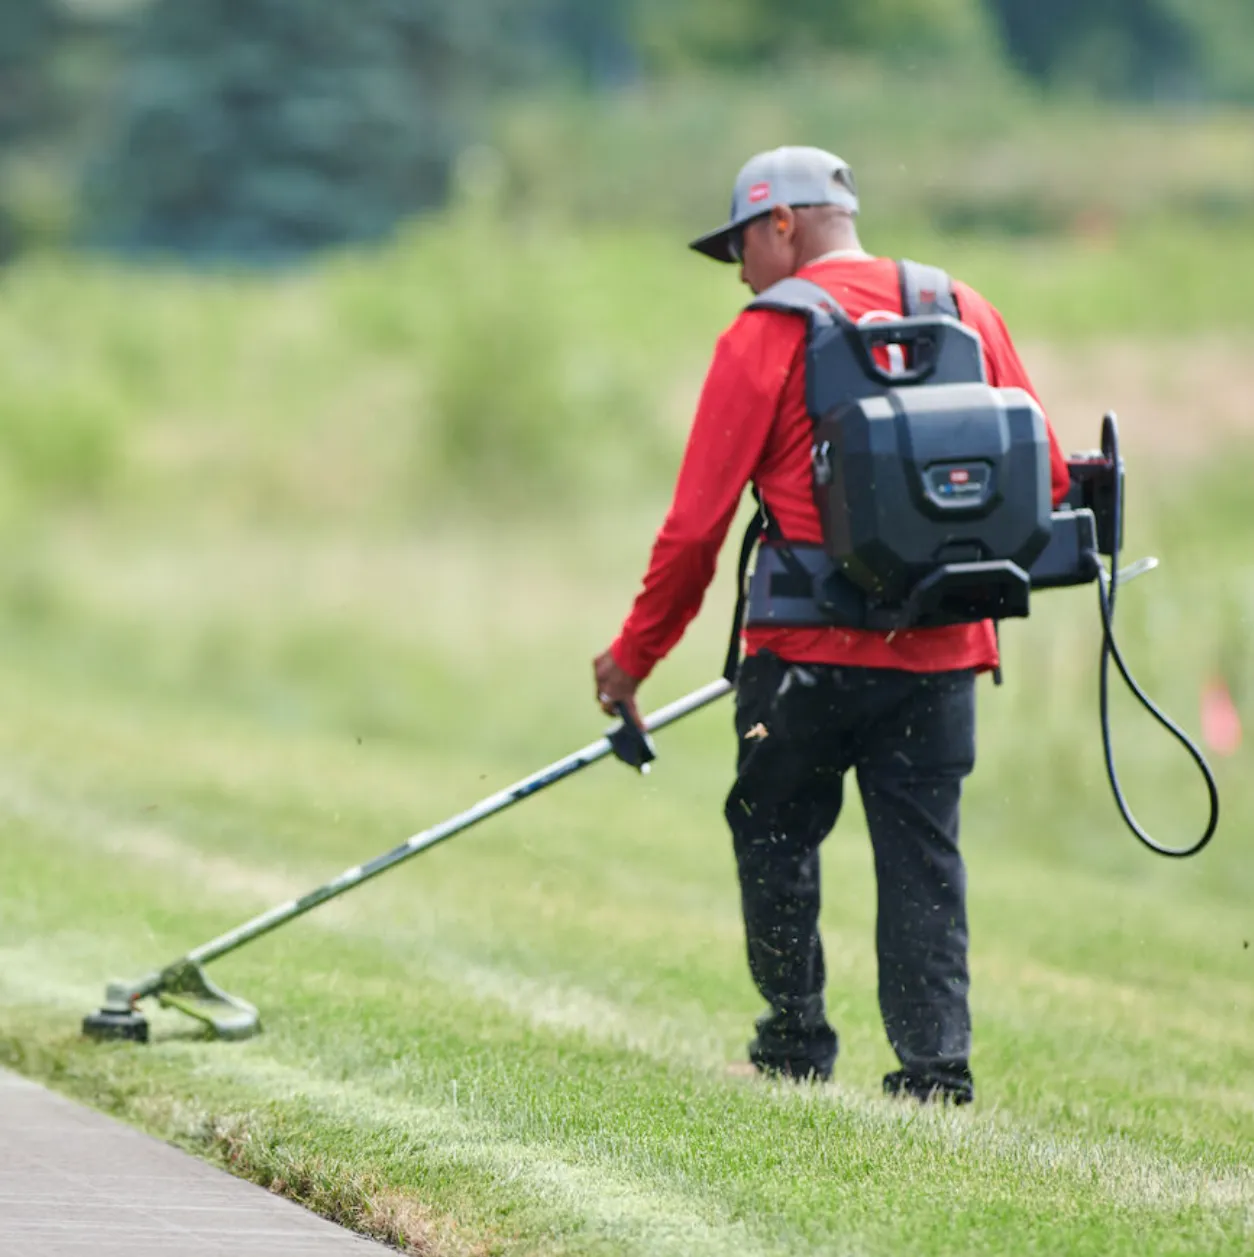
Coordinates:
column 184, row 985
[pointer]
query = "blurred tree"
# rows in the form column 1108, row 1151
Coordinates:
column 270, row 127
column 1222, row 39
column 1146, row 48
column 1116, row 46
column 592, row 40
column 31, row 33
column 53, row 61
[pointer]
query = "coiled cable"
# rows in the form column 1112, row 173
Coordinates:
column 1107, row 588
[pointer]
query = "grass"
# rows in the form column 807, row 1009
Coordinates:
column 525, row 1032
column 495, row 363
column 268, row 636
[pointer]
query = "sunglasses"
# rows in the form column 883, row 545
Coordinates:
column 736, row 238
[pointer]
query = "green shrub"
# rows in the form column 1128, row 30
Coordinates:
column 60, row 438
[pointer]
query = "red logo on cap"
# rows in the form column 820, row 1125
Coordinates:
column 759, row 192
column 959, row 475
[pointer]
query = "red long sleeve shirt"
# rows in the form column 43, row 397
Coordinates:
column 751, row 425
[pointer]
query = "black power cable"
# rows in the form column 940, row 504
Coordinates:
column 1106, row 590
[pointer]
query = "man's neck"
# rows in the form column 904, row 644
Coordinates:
column 834, row 255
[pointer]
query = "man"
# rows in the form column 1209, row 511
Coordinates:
column 814, row 702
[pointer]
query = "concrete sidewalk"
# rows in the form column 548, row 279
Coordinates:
column 74, row 1183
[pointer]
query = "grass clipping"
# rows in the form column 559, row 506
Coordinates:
column 331, row 1188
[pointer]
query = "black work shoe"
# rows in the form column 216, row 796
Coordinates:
column 796, row 1068
column 789, row 1045
column 903, row 1084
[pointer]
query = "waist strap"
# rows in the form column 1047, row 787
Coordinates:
column 800, row 586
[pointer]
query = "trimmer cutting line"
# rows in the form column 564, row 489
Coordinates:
column 184, row 984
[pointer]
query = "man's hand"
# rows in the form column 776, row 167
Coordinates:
column 613, row 685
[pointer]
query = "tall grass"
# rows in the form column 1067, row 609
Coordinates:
column 976, row 152
column 474, row 363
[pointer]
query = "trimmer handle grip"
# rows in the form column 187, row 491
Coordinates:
column 630, row 742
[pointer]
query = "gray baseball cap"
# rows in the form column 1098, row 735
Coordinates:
column 783, row 176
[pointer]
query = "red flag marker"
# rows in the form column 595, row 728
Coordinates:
column 1221, row 722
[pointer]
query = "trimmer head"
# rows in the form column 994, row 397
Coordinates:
column 185, row 986
column 116, row 1023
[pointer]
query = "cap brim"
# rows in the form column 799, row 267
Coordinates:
column 716, row 244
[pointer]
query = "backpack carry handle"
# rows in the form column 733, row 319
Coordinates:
column 920, row 340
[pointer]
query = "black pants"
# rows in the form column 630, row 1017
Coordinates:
column 911, row 739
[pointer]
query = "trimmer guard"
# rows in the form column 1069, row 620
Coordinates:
column 188, row 988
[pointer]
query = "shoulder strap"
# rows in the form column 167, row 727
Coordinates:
column 821, row 309
column 925, row 291
column 801, row 296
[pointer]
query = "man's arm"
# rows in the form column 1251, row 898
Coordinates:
column 730, row 430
